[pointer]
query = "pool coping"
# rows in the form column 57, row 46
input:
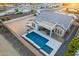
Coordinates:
column 34, row 44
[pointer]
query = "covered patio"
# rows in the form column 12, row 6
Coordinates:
column 47, row 27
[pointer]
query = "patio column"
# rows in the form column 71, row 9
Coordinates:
column 50, row 33
column 36, row 27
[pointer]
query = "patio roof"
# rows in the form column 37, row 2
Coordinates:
column 47, row 25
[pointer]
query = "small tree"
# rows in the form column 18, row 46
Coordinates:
column 42, row 7
column 16, row 10
column 33, row 12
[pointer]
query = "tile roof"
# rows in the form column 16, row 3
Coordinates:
column 61, row 19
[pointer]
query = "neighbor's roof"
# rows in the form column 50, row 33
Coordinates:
column 61, row 19
column 50, row 4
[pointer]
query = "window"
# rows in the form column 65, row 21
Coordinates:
column 56, row 30
column 60, row 32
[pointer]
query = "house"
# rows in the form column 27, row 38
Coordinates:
column 51, row 5
column 54, row 22
column 26, row 7
column 45, row 6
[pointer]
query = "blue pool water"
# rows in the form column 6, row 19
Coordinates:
column 47, row 49
column 40, row 41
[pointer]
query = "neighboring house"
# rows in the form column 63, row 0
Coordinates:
column 51, row 5
column 24, row 7
column 45, row 5
column 57, row 23
column 20, row 7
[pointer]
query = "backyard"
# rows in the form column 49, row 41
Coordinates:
column 10, row 46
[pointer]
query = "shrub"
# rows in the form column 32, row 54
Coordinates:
column 73, row 46
column 33, row 12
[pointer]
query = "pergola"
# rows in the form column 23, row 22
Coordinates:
column 47, row 25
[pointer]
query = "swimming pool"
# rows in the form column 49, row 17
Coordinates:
column 40, row 41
